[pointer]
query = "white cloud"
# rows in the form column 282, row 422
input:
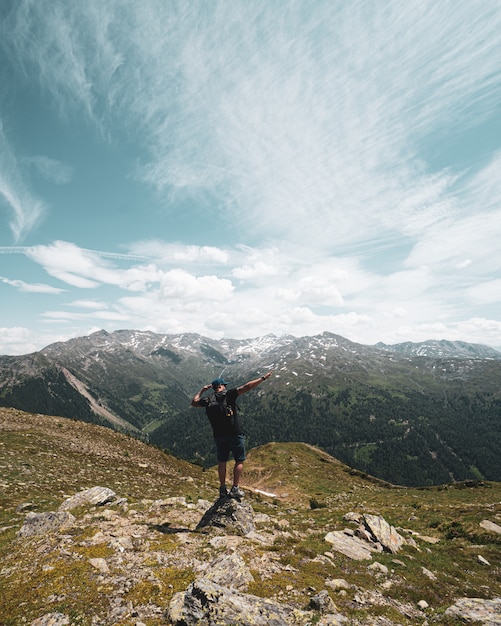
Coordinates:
column 318, row 136
column 181, row 285
column 17, row 340
column 172, row 253
column 21, row 340
column 31, row 287
column 103, row 315
column 89, row 304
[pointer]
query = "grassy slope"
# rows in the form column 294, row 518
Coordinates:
column 44, row 459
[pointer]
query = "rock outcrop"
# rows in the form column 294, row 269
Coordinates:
column 229, row 515
column 478, row 610
column 42, row 523
column 205, row 602
column 373, row 534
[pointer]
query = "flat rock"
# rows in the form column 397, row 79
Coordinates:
column 486, row 612
column 490, row 526
column 41, row 523
column 350, row 546
column 95, row 496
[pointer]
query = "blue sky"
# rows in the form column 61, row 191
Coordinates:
column 238, row 168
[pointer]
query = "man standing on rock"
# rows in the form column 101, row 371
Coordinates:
column 221, row 409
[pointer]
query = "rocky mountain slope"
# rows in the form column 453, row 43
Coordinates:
column 413, row 414
column 98, row 528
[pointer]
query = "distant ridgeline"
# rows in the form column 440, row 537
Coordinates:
column 413, row 414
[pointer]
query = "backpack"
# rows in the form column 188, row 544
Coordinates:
column 219, row 411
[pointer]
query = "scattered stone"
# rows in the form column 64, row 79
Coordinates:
column 487, row 612
column 41, row 523
column 378, row 568
column 100, row 564
column 236, row 518
column 332, row 620
column 52, row 619
column 205, row 602
column 427, row 572
column 490, row 526
column 427, row 538
column 423, row 605
column 322, row 602
column 98, row 538
column 25, row 506
column 483, row 560
column 95, row 496
column 353, row 517
column 337, row 584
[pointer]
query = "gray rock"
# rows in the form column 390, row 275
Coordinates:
column 95, row 496
column 490, row 526
column 332, row 620
column 323, row 603
column 350, row 546
column 51, row 619
column 41, row 523
column 205, row 603
column 100, row 564
column 235, row 518
column 487, row 612
column 379, row 568
column 385, row 534
column 229, row 570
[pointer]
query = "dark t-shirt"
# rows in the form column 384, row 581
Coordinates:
column 225, row 425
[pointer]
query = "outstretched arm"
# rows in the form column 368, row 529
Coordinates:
column 253, row 383
column 196, row 398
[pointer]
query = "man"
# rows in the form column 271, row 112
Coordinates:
column 221, row 409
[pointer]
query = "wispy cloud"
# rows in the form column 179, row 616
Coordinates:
column 24, row 208
column 317, row 113
column 31, row 287
column 318, row 135
column 51, row 169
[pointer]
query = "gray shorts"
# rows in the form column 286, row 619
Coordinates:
column 230, row 443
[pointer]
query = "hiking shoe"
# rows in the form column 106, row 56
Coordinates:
column 223, row 492
column 236, row 492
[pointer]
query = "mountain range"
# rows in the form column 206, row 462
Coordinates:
column 412, row 414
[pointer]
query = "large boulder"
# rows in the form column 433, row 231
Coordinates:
column 205, row 602
column 229, row 515
column 42, row 523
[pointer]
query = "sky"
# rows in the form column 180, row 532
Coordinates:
column 238, row 168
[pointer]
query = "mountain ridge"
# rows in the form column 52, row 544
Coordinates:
column 395, row 412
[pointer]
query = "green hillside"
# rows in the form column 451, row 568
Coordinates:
column 146, row 544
